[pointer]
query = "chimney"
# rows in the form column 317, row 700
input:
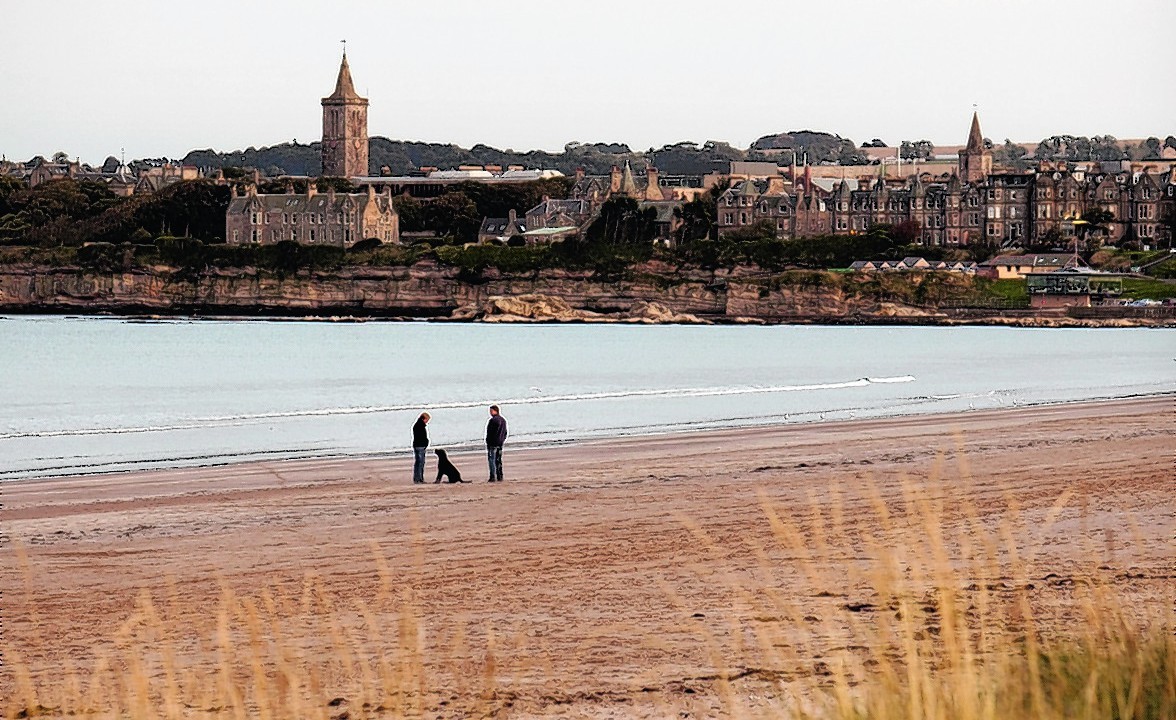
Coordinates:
column 776, row 185
column 371, row 191
column 512, row 220
column 579, row 174
column 614, row 179
column 311, row 188
column 651, row 176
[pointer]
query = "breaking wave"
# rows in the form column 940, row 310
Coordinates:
column 538, row 399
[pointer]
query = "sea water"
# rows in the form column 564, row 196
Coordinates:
column 87, row 395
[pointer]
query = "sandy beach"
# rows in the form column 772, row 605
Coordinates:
column 603, row 579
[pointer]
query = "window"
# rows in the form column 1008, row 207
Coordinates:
column 742, row 218
column 236, row 236
column 312, row 235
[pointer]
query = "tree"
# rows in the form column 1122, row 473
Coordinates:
column 698, row 219
column 1011, row 155
column 10, row 190
column 453, row 215
column 920, row 149
column 411, row 212
column 60, row 157
column 1094, row 222
column 623, row 222
column 1168, row 223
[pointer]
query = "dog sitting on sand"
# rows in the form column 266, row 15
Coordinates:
column 445, row 469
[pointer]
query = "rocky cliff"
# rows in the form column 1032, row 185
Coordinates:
column 652, row 294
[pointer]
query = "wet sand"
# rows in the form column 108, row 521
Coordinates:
column 602, row 579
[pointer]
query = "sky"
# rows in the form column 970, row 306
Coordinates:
column 159, row 78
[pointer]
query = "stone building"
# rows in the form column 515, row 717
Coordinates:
column 979, row 204
column 313, row 218
column 345, row 133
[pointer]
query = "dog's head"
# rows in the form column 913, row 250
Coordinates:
column 441, row 454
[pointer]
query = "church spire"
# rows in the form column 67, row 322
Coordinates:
column 975, row 159
column 975, row 138
column 344, row 87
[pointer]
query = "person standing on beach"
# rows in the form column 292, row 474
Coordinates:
column 420, row 443
column 495, row 437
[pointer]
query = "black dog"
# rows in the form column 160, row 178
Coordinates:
column 446, row 470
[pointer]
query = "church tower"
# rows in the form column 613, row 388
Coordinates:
column 345, row 135
column 975, row 160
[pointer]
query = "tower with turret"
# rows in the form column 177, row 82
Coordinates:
column 345, row 134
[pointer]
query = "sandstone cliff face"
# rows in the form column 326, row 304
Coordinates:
column 655, row 294
column 427, row 290
column 424, row 290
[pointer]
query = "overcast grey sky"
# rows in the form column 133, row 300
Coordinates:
column 160, row 78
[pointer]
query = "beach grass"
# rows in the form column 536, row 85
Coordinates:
column 943, row 621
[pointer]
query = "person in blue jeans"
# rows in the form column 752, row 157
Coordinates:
column 420, row 444
column 495, row 437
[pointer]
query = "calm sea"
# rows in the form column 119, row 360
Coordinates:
column 87, row 395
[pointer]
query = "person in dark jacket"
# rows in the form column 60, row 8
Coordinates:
column 420, row 443
column 495, row 437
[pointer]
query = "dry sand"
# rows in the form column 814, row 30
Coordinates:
column 603, row 579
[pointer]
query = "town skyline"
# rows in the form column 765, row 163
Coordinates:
column 670, row 86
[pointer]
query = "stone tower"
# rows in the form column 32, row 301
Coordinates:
column 975, row 160
column 345, row 136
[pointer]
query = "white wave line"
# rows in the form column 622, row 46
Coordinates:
column 232, row 420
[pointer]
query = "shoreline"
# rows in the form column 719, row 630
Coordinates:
column 671, row 436
column 1116, row 317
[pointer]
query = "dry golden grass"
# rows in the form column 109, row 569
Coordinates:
column 952, row 629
